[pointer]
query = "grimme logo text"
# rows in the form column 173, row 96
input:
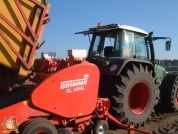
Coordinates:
column 75, row 85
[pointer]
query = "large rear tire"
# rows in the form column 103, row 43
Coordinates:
column 132, row 94
column 169, row 92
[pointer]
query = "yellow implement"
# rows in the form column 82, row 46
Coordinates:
column 21, row 28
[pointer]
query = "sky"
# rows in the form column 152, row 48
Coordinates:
column 71, row 16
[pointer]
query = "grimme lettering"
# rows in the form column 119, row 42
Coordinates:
column 68, row 90
column 78, row 88
column 74, row 85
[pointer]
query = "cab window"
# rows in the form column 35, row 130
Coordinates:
column 140, row 47
column 127, row 44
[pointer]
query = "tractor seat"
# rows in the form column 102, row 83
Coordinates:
column 108, row 51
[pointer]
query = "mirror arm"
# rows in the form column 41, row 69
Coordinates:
column 157, row 38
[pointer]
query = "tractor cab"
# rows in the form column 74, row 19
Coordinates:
column 112, row 41
column 121, row 42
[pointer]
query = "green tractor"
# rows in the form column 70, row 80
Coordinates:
column 129, row 74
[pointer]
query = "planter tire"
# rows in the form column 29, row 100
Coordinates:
column 101, row 127
column 39, row 125
column 64, row 131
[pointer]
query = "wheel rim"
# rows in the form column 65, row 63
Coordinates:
column 138, row 98
column 102, row 129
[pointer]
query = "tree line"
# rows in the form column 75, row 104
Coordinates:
column 169, row 65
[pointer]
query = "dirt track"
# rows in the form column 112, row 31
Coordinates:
column 162, row 124
column 159, row 124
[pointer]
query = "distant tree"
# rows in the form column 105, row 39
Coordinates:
column 162, row 63
column 165, row 62
column 169, row 64
column 176, row 64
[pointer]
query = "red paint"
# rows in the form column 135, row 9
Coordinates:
column 21, row 112
column 54, row 96
column 11, row 117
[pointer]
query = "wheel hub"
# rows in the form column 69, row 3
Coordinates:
column 138, row 98
column 101, row 130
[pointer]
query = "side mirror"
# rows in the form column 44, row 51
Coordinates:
column 168, row 45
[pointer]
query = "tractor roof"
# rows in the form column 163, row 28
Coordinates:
column 131, row 28
column 109, row 27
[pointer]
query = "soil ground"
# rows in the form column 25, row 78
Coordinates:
column 159, row 124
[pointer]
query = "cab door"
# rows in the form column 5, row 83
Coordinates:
column 141, row 50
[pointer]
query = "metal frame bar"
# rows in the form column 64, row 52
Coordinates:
column 40, row 24
column 25, row 19
column 33, row 42
column 13, row 49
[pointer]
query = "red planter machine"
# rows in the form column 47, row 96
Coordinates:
column 67, row 98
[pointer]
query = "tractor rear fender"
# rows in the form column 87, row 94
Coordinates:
column 115, row 67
